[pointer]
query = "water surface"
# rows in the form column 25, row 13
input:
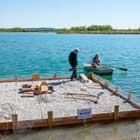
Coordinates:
column 28, row 53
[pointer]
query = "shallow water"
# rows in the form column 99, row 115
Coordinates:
column 116, row 131
column 28, row 53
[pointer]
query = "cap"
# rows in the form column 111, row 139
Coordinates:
column 77, row 49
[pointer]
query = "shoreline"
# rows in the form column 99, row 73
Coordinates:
column 99, row 32
column 77, row 32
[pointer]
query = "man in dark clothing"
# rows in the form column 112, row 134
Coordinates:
column 73, row 62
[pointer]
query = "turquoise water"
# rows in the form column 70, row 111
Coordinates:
column 28, row 53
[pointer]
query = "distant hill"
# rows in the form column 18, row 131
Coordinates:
column 43, row 29
column 40, row 29
column 93, row 29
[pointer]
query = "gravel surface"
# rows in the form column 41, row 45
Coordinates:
column 68, row 96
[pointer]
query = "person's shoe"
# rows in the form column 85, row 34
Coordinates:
column 73, row 79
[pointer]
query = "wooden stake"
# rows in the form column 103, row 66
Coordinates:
column 84, row 122
column 55, row 76
column 116, row 112
column 98, row 79
column 116, row 89
column 90, row 75
column 14, row 120
column 106, row 83
column 129, row 97
column 50, row 119
column 16, row 78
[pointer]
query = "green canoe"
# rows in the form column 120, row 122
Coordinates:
column 100, row 70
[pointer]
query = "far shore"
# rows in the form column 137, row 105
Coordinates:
column 76, row 32
column 93, row 29
column 98, row 32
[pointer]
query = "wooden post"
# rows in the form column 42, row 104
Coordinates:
column 50, row 119
column 116, row 89
column 55, row 76
column 14, row 120
column 98, row 79
column 116, row 112
column 90, row 75
column 16, row 78
column 106, row 83
column 129, row 97
column 84, row 122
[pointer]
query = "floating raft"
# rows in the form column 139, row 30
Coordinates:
column 60, row 108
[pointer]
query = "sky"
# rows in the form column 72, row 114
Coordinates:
column 120, row 14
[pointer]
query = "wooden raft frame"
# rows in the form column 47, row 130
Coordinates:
column 51, row 122
column 35, row 77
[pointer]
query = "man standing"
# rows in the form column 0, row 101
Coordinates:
column 74, row 62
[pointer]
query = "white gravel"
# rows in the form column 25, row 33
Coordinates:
column 62, row 104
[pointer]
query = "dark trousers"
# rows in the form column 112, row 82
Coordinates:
column 74, row 72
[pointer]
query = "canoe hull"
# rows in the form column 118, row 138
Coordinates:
column 101, row 70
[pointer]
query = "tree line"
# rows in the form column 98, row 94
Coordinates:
column 92, row 28
column 76, row 29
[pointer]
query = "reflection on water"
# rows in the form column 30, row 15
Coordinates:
column 108, row 77
column 129, row 130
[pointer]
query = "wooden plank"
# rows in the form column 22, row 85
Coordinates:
column 24, row 80
column 6, row 126
column 76, row 121
column 129, row 114
column 28, row 124
column 7, row 81
column 35, row 77
column 73, row 119
column 84, row 78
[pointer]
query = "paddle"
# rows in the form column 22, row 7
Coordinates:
column 120, row 68
column 124, row 69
